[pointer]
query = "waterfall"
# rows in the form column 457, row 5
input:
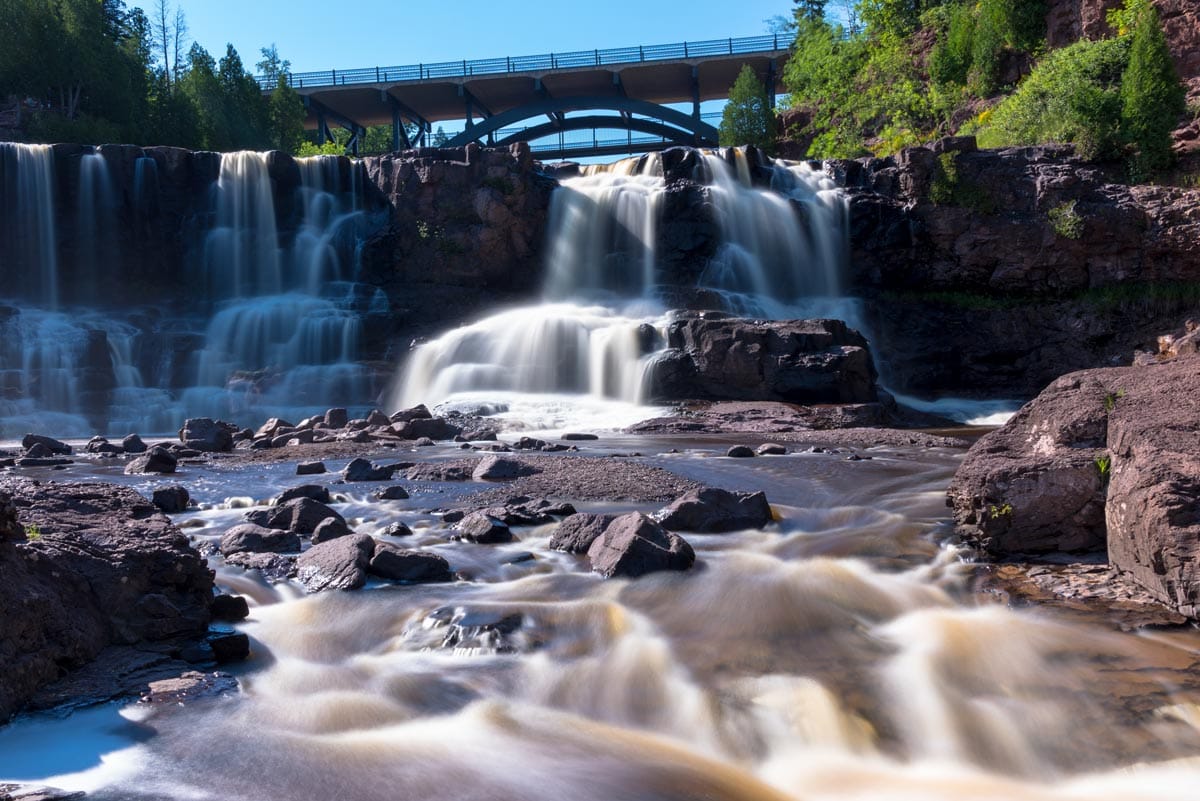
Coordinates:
column 97, row 224
column 780, row 249
column 284, row 338
column 27, row 198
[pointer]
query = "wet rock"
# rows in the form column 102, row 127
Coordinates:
column 339, row 564
column 293, row 438
column 579, row 437
column 478, row 629
column 330, row 529
column 397, row 529
column 310, row 468
column 529, row 444
column 524, row 511
column 229, row 647
column 32, row 792
column 336, row 418
column 156, row 460
column 500, row 468
column 273, row 567
column 435, row 428
column 634, row 545
column 299, row 515
column 172, row 500
column 363, row 470
column 714, row 357
column 55, row 461
column 251, row 538
column 230, row 608
column 415, row 413
column 740, row 452
column 439, row 471
column 101, row 447
column 770, row 449
column 378, row 418
column 315, row 492
column 133, row 444
column 712, row 510
column 11, row 529
column 1033, row 486
column 190, row 686
column 393, row 493
column 273, row 428
column 424, row 442
column 576, row 533
column 408, row 566
column 453, row 516
column 106, row 568
column 483, row 529
column 52, row 445
column 207, row 435
column 38, row 451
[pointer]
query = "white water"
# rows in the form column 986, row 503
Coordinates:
column 781, row 254
column 27, row 197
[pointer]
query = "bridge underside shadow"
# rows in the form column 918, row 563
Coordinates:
column 675, row 127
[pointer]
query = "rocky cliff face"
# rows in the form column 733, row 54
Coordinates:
column 1029, row 264
column 1070, row 20
column 466, row 226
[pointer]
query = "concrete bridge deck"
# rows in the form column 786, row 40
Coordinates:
column 636, row 83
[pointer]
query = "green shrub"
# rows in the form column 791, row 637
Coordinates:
column 1067, row 222
column 1072, row 95
column 950, row 60
column 1152, row 98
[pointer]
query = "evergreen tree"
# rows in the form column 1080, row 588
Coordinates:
column 1152, row 97
column 811, row 9
column 287, row 115
column 748, row 118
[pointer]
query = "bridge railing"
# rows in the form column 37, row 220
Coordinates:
column 549, row 61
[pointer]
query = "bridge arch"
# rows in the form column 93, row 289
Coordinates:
column 672, row 134
column 676, row 124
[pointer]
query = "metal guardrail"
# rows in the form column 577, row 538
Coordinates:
column 709, row 117
column 549, row 61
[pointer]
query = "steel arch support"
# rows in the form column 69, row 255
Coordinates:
column 670, row 133
column 703, row 133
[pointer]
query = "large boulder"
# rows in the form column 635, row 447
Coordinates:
column 339, row 564
column 86, row 566
column 208, row 435
column 156, row 460
column 412, row 567
column 252, row 538
column 634, row 545
column 299, row 515
column 713, row 356
column 1102, row 458
column 576, row 533
column 1033, row 485
column 712, row 510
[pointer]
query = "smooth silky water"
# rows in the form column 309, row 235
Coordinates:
column 837, row 654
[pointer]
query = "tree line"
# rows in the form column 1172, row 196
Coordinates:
column 95, row 71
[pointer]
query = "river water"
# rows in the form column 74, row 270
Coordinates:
column 837, row 654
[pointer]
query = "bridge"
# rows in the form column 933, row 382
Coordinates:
column 503, row 100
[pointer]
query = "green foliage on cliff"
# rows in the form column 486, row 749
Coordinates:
column 95, row 71
column 748, row 118
column 1066, row 220
column 1073, row 95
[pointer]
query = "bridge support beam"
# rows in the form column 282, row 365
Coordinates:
column 772, row 77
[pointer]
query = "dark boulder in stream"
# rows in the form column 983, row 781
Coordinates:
column 87, row 566
column 634, row 545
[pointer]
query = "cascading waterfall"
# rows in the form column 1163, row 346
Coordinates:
column 274, row 326
column 781, row 254
column 284, row 339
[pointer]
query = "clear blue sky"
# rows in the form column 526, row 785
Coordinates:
column 343, row 34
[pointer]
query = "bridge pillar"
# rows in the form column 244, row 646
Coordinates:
column 771, row 78
column 696, row 98
column 322, row 129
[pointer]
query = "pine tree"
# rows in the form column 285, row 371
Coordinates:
column 811, row 9
column 748, row 118
column 1152, row 97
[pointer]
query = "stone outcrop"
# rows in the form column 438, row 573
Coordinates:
column 87, row 566
column 633, row 545
column 981, row 293
column 713, row 356
column 465, row 226
column 1102, row 458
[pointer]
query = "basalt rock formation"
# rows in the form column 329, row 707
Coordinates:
column 87, row 566
column 1102, row 459
column 991, row 273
